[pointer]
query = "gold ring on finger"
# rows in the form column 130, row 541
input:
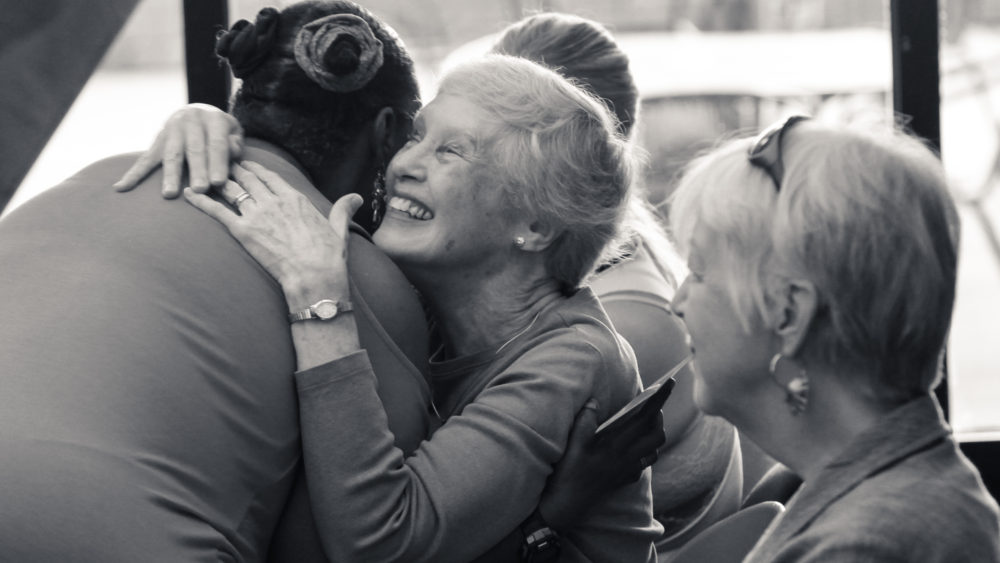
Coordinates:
column 241, row 198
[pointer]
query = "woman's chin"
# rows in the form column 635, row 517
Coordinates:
column 387, row 237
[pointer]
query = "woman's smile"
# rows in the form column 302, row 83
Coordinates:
column 412, row 208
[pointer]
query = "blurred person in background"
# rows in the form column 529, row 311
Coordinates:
column 822, row 278
column 697, row 478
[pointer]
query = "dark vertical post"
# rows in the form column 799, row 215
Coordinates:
column 916, row 78
column 207, row 80
column 915, row 66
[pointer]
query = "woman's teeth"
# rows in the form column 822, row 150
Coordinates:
column 411, row 208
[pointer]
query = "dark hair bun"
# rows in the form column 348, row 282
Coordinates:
column 340, row 52
column 343, row 56
column 246, row 45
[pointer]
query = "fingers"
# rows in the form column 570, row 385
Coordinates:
column 146, row 163
column 245, row 175
column 212, row 208
column 194, row 151
column 641, row 454
column 642, row 451
column 224, row 133
column 173, row 159
column 275, row 183
column 649, row 441
column 203, row 137
column 236, row 196
column 645, row 425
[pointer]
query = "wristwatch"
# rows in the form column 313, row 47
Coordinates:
column 322, row 310
column 541, row 543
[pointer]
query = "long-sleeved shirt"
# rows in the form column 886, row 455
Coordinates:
column 509, row 411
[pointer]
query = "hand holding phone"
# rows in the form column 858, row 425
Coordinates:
column 652, row 398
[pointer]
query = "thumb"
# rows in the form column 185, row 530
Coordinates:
column 344, row 208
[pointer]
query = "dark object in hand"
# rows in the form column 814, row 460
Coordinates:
column 651, row 399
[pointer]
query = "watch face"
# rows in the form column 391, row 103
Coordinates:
column 325, row 309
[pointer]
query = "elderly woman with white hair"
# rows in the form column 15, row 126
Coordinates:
column 822, row 277
column 510, row 185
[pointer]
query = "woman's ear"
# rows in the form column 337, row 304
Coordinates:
column 385, row 134
column 537, row 236
column 796, row 309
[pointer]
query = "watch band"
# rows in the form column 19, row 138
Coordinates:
column 541, row 543
column 324, row 310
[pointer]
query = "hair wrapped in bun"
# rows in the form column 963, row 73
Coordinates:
column 246, row 44
column 339, row 52
column 314, row 75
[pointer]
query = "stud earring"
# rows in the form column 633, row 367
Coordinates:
column 797, row 388
column 378, row 197
column 519, row 242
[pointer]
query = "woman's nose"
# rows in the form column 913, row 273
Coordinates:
column 407, row 164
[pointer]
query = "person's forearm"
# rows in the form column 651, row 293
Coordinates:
column 318, row 342
column 441, row 504
column 361, row 493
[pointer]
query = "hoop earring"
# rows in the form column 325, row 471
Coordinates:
column 378, row 197
column 519, row 242
column 797, row 388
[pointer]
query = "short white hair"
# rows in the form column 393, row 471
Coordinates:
column 866, row 216
column 557, row 156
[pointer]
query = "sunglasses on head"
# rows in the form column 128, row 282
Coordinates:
column 765, row 152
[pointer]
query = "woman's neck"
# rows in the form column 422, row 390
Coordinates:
column 475, row 316
column 837, row 413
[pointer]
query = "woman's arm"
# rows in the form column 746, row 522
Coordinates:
column 478, row 477
column 204, row 137
column 475, row 480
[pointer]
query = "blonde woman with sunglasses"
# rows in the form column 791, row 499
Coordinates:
column 822, row 280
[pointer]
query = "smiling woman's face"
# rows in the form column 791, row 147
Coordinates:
column 439, row 211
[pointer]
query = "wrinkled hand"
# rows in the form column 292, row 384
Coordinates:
column 204, row 137
column 303, row 250
column 593, row 466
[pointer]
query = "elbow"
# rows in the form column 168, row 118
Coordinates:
column 400, row 533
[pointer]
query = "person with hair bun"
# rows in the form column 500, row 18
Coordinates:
column 823, row 262
column 147, row 410
column 338, row 93
column 697, row 477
